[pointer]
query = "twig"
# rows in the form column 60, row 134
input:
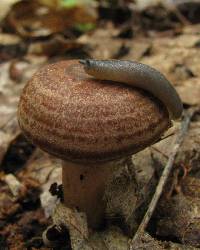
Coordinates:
column 180, row 16
column 160, row 152
column 163, row 179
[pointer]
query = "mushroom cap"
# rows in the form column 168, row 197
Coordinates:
column 75, row 117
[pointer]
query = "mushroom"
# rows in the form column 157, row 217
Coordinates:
column 90, row 124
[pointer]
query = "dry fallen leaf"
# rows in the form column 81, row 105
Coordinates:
column 5, row 7
column 46, row 21
column 180, row 219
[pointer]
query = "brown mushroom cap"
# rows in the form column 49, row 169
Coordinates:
column 75, row 117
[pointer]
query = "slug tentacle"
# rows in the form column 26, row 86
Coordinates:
column 137, row 75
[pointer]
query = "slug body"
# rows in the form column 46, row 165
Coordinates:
column 137, row 75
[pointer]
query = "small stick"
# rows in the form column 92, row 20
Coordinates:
column 180, row 16
column 163, row 179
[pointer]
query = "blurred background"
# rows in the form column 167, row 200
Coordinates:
column 164, row 34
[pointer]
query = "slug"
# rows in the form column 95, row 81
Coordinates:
column 137, row 75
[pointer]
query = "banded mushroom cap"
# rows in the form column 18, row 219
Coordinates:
column 70, row 115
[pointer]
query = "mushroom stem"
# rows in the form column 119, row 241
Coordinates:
column 84, row 187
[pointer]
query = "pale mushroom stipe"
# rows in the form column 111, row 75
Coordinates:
column 92, row 124
column 137, row 75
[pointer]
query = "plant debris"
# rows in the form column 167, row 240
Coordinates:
column 163, row 34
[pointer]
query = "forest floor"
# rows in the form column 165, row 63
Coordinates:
column 165, row 38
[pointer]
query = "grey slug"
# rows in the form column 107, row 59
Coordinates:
column 137, row 75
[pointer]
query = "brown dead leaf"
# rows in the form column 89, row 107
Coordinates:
column 44, row 20
column 58, row 45
column 7, row 134
column 190, row 91
column 9, row 39
column 10, row 73
column 12, row 236
column 6, row 6
column 45, row 170
column 13, row 184
column 26, row 232
column 190, row 150
column 146, row 242
column 167, row 53
column 102, row 43
column 8, row 206
column 179, row 219
column 12, row 199
column 75, row 221
column 11, row 46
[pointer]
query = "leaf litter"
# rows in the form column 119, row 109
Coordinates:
column 155, row 35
